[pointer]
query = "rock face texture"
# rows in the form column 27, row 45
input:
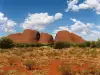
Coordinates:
column 28, row 36
column 76, row 38
column 33, row 36
column 46, row 38
column 65, row 36
column 16, row 37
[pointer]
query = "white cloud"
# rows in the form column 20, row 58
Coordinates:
column 58, row 16
column 73, row 19
column 79, row 26
column 38, row 21
column 72, row 5
column 83, row 6
column 87, row 4
column 6, row 25
column 98, row 26
column 86, row 30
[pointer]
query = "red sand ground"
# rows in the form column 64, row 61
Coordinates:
column 53, row 68
column 78, row 68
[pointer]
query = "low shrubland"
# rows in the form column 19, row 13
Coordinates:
column 60, row 45
column 22, row 45
column 8, row 43
column 76, row 60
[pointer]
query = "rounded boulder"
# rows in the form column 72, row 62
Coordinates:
column 66, row 36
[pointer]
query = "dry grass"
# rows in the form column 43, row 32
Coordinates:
column 43, row 56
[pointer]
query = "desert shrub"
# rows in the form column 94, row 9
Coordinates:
column 66, row 69
column 14, row 60
column 60, row 45
column 49, row 45
column 29, row 64
column 87, row 43
column 98, row 43
column 81, row 45
column 6, row 43
column 74, row 44
column 93, row 44
column 38, row 44
column 21, row 45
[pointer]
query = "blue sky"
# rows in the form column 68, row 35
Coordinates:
column 81, row 17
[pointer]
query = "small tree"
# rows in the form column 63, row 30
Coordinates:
column 6, row 43
column 60, row 45
column 87, row 43
column 93, row 44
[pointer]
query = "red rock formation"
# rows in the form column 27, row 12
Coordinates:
column 28, row 36
column 65, row 36
column 31, row 36
column 46, row 38
column 16, row 37
column 77, row 39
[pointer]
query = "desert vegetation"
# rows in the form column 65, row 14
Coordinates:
column 61, row 58
column 8, row 43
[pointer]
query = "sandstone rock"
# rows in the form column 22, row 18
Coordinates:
column 65, row 36
column 46, row 38
column 28, row 36
column 16, row 37
column 31, row 36
column 77, row 39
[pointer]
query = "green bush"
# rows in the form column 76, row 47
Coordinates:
column 81, row 45
column 38, row 45
column 93, row 44
column 87, row 44
column 6, row 43
column 60, row 45
column 98, row 43
column 21, row 45
column 74, row 44
column 51, row 45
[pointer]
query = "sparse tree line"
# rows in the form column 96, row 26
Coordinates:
column 8, row 43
